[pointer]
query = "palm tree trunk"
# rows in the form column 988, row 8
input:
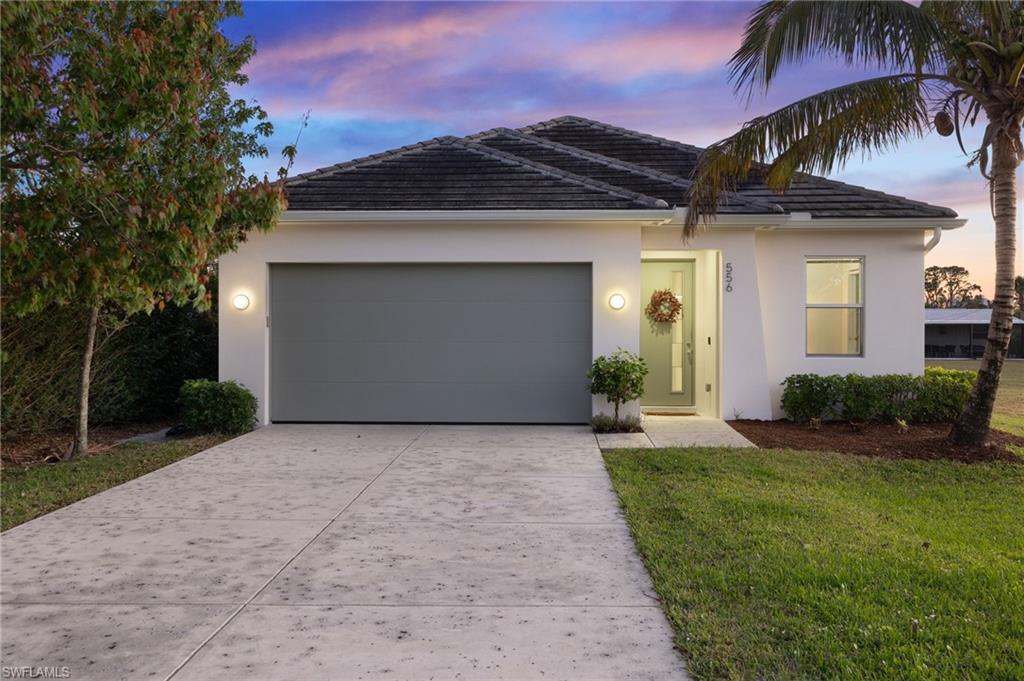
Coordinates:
column 971, row 428
column 81, row 445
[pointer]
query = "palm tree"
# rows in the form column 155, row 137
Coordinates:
column 948, row 65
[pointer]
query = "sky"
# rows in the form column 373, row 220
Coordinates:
column 381, row 75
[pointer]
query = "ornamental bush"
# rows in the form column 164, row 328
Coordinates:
column 619, row 377
column 939, row 395
column 212, row 407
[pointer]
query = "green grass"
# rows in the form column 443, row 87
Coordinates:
column 1009, row 412
column 775, row 564
column 26, row 493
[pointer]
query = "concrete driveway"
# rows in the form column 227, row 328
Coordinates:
column 344, row 552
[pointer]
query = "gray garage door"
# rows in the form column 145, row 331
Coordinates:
column 457, row 343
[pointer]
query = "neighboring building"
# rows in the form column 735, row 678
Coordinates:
column 474, row 279
column 959, row 333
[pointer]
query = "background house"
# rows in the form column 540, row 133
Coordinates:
column 959, row 333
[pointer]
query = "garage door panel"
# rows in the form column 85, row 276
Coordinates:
column 443, row 320
column 396, row 361
column 390, row 282
column 437, row 402
column 431, row 343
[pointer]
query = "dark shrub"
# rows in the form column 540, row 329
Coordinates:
column 212, row 407
column 810, row 396
column 939, row 395
column 137, row 371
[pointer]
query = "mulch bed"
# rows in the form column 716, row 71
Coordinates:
column 921, row 441
column 33, row 449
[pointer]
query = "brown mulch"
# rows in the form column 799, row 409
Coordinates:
column 33, row 449
column 921, row 441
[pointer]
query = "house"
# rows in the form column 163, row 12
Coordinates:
column 960, row 333
column 474, row 279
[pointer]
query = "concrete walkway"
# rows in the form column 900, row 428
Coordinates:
column 344, row 552
column 677, row 431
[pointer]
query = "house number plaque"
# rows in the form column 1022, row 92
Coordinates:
column 728, row 277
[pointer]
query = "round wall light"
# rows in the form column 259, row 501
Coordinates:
column 617, row 301
column 240, row 302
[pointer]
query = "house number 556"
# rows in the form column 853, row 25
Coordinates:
column 728, row 277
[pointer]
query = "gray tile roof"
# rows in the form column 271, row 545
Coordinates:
column 562, row 164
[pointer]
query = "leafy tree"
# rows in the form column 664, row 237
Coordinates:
column 619, row 377
column 949, row 286
column 945, row 65
column 122, row 151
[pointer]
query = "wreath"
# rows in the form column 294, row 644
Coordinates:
column 664, row 307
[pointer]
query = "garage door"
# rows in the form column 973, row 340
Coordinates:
column 456, row 343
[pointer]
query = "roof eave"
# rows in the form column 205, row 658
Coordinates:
column 643, row 216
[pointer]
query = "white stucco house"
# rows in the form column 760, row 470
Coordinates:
column 474, row 279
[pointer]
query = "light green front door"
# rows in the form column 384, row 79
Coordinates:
column 668, row 347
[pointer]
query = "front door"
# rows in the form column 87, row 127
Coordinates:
column 668, row 347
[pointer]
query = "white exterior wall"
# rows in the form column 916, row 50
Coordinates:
column 762, row 324
column 893, row 302
column 612, row 248
column 763, row 317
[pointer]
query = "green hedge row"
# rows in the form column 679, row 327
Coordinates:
column 939, row 395
column 138, row 368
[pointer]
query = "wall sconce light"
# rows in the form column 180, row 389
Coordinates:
column 240, row 302
column 617, row 301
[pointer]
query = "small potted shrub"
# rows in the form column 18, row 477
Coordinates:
column 620, row 378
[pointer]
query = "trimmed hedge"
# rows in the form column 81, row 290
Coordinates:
column 212, row 407
column 137, row 371
column 939, row 395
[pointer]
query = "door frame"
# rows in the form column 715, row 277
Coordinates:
column 707, row 330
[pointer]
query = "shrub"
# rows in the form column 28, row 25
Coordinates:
column 619, row 377
column 212, row 407
column 939, row 395
column 603, row 423
column 809, row 396
column 138, row 368
column 944, row 394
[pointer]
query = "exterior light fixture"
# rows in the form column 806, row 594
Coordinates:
column 240, row 302
column 617, row 301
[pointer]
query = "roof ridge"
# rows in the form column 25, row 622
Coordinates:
column 664, row 141
column 619, row 164
column 506, row 157
column 379, row 157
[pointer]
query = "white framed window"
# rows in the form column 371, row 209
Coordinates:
column 834, row 305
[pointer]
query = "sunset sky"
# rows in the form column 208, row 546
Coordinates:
column 380, row 75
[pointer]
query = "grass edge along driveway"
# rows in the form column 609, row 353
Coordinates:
column 777, row 564
column 27, row 493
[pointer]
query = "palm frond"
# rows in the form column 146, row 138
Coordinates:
column 817, row 134
column 891, row 35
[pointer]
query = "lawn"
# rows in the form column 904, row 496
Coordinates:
column 1009, row 411
column 776, row 564
column 30, row 492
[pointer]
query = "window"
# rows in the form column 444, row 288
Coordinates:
column 835, row 306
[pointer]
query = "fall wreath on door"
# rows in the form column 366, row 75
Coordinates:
column 664, row 307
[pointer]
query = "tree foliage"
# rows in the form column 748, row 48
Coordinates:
column 122, row 172
column 951, row 286
column 619, row 377
column 944, row 65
